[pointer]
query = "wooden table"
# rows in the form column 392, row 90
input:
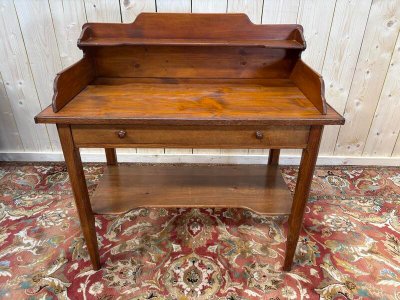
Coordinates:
column 190, row 81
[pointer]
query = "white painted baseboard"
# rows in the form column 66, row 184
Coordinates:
column 200, row 158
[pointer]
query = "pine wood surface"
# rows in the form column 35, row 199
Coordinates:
column 256, row 187
column 302, row 190
column 190, row 104
column 81, row 195
column 95, row 41
column 179, row 26
column 258, row 137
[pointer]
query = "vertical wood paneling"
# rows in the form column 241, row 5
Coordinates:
column 341, row 56
column 396, row 151
column 9, row 136
column 209, row 6
column 131, row 8
column 68, row 17
column 385, row 127
column 174, row 6
column 281, row 11
column 42, row 49
column 103, row 11
column 378, row 44
column 316, row 32
column 18, row 81
column 359, row 61
column 252, row 8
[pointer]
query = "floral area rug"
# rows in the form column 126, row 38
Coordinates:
column 349, row 246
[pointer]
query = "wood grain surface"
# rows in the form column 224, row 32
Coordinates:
column 180, row 26
column 190, row 104
column 333, row 49
column 255, row 187
column 258, row 137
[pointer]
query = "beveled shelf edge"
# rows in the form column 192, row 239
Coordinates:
column 256, row 185
column 278, row 44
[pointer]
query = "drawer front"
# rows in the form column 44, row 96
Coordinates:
column 190, row 136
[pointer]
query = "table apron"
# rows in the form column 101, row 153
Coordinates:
column 237, row 137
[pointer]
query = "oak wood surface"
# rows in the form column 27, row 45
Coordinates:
column 256, row 187
column 190, row 136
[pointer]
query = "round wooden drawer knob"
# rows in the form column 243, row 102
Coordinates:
column 259, row 135
column 121, row 134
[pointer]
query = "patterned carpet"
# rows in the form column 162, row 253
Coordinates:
column 349, row 246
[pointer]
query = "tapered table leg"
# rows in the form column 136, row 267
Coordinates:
column 79, row 188
column 111, row 156
column 273, row 157
column 304, row 179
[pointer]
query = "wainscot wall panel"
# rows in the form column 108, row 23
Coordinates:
column 354, row 44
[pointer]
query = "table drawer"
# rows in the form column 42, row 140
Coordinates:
column 190, row 136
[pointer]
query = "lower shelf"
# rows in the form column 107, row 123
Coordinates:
column 259, row 188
